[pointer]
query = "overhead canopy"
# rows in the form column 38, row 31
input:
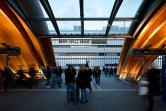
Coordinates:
column 81, row 18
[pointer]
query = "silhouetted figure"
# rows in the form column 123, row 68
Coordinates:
column 54, row 77
column 111, row 71
column 153, row 85
column 89, row 74
column 103, row 70
column 1, row 75
column 83, row 80
column 32, row 74
column 7, row 77
column 106, row 71
column 115, row 71
column 70, row 82
column 22, row 77
column 48, row 76
column 97, row 73
column 59, row 72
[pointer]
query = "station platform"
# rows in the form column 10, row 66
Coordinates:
column 110, row 95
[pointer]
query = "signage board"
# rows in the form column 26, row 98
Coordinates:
column 10, row 51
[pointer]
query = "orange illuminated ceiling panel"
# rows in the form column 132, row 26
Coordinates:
column 11, row 35
column 154, row 33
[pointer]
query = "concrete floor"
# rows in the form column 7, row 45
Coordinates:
column 110, row 95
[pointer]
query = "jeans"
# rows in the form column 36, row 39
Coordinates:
column 83, row 95
column 71, row 88
column 90, row 88
column 77, row 90
column 48, row 81
column 115, row 74
column 97, row 78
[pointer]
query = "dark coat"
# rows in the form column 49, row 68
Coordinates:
column 69, row 76
column 97, row 73
column 154, row 81
column 115, row 70
column 89, row 74
column 59, row 72
column 82, row 79
column 111, row 70
column 32, row 72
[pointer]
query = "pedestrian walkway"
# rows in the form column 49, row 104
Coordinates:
column 110, row 95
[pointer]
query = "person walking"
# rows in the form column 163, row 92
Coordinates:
column 60, row 74
column 82, row 80
column 115, row 72
column 70, row 82
column 32, row 74
column 106, row 71
column 89, row 74
column 54, row 77
column 22, row 77
column 111, row 72
column 7, row 77
column 103, row 70
column 48, row 76
column 97, row 73
column 154, row 89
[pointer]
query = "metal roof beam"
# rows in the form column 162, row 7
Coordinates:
column 113, row 14
column 48, row 9
column 85, row 19
column 82, row 17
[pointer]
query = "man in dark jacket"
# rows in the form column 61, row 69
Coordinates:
column 111, row 71
column 154, row 87
column 31, row 73
column 48, row 76
column 97, row 74
column 115, row 71
column 70, row 82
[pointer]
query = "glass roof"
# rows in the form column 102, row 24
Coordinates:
column 44, row 12
column 64, row 8
column 50, row 28
column 69, row 27
column 98, row 8
column 127, row 7
column 80, row 17
column 121, row 27
column 95, row 27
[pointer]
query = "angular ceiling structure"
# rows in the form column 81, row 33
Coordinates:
column 152, row 32
column 30, row 25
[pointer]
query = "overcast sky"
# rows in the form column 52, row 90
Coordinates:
column 92, row 8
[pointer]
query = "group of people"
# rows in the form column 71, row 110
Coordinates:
column 110, row 71
column 54, row 76
column 82, row 81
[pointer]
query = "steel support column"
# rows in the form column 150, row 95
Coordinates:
column 113, row 14
column 48, row 9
